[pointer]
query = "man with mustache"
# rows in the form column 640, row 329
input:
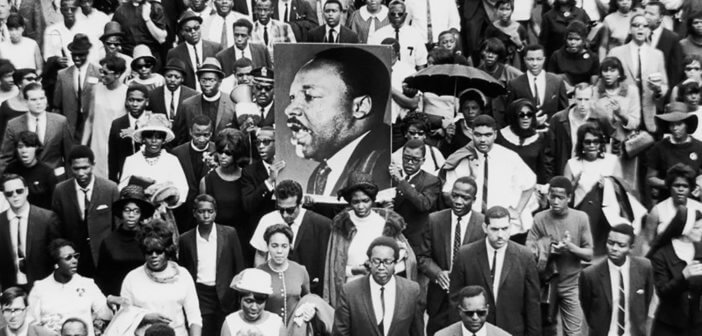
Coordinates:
column 337, row 104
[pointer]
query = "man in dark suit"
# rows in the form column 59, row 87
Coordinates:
column 192, row 157
column 545, row 90
column 13, row 303
column 211, row 102
column 263, row 82
column 212, row 255
column 194, row 50
column 300, row 16
column 25, row 233
column 507, row 270
column 447, row 231
column 473, row 309
column 259, row 178
column 84, row 207
column 120, row 141
column 417, row 191
column 338, row 120
column 311, row 232
column 379, row 304
column 332, row 31
column 256, row 52
column 666, row 41
column 74, row 86
column 167, row 99
column 606, row 285
column 52, row 129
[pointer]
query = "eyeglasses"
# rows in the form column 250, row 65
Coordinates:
column 226, row 152
column 9, row 193
column 289, row 211
column 415, row 133
column 156, row 250
column 471, row 313
column 142, row 65
column 264, row 87
column 411, row 159
column 387, row 262
column 692, row 68
column 12, row 311
column 528, row 115
column 113, row 44
column 265, row 142
column 591, row 142
column 132, row 211
column 34, row 78
column 191, row 29
column 71, row 256
column 639, row 25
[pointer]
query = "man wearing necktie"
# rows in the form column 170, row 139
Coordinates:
column 298, row 14
column 379, row 304
column 332, row 31
column 25, row 233
column 243, row 48
column 506, row 270
column 571, row 244
column 473, row 309
column 413, row 50
column 615, row 292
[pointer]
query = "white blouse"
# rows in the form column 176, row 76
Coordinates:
column 591, row 172
column 367, row 229
column 166, row 169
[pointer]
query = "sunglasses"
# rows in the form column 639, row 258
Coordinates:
column 289, row 211
column 528, row 115
column 591, row 142
column 396, row 14
column 71, row 256
column 471, row 313
column 692, row 68
column 411, row 159
column 639, row 25
column 142, row 65
column 264, row 87
column 156, row 250
column 226, row 152
column 265, row 142
column 9, row 193
column 415, row 133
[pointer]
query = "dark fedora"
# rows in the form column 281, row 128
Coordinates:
column 133, row 194
column 677, row 112
column 112, row 28
column 187, row 16
column 80, row 45
column 175, row 64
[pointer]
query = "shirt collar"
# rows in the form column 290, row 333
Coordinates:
column 481, row 332
column 613, row 267
column 23, row 213
column 492, row 250
column 198, row 44
column 211, row 238
column 174, row 93
column 340, row 159
column 454, row 217
column 89, row 187
column 381, row 15
column 542, row 75
column 375, row 287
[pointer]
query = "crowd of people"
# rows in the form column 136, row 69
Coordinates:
column 143, row 193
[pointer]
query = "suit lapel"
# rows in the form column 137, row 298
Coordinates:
column 484, row 265
column 51, row 129
column 368, row 303
column 301, row 232
column 28, row 239
column 188, row 164
column 398, row 307
column 5, row 234
column 506, row 265
column 472, row 226
column 448, row 245
column 220, row 242
column 606, row 283
column 193, row 241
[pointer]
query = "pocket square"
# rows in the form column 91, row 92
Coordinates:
column 639, row 291
column 101, row 206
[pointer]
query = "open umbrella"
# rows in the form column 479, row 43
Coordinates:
column 451, row 79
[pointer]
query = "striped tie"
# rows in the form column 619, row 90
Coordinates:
column 621, row 320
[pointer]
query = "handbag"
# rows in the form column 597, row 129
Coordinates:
column 637, row 143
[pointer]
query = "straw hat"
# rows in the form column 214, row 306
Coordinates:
column 155, row 122
column 252, row 280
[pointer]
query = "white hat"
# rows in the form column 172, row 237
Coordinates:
column 252, row 280
column 155, row 122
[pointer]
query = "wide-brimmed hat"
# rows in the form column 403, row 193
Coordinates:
column 142, row 51
column 676, row 112
column 112, row 28
column 187, row 16
column 155, row 122
column 175, row 64
column 358, row 181
column 80, row 44
column 211, row 64
column 133, row 194
column 252, row 280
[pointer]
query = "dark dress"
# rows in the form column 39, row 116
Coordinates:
column 40, row 179
column 553, row 27
column 533, row 154
column 230, row 208
column 578, row 68
column 119, row 254
column 7, row 113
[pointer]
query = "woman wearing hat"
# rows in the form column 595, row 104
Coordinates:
column 254, row 287
column 143, row 65
column 679, row 147
column 574, row 60
column 119, row 252
column 112, row 37
column 352, row 232
column 152, row 165
column 677, row 275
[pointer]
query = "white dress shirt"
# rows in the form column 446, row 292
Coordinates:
column 81, row 195
column 481, row 332
column 500, row 260
column 338, row 162
column 167, row 99
column 336, row 29
column 37, row 122
column 444, row 16
column 389, row 296
column 464, row 226
column 270, row 219
column 614, row 282
column 206, row 257
column 281, row 10
column 412, row 47
column 212, row 27
column 540, row 84
column 20, row 225
column 247, row 52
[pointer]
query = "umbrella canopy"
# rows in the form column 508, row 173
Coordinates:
column 451, row 79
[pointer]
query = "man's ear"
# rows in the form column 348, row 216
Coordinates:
column 362, row 106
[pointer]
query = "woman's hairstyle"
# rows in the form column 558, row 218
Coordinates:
column 288, row 188
column 29, row 139
column 14, row 21
column 690, row 87
column 513, row 110
column 680, row 170
column 158, row 233
column 441, row 56
column 595, row 130
column 691, row 18
column 557, row 5
column 495, row 45
column 613, row 63
column 19, row 74
column 235, row 141
column 691, row 58
column 114, row 63
column 418, row 120
column 499, row 3
column 159, row 329
column 56, row 245
column 614, row 5
column 278, row 228
column 371, row 190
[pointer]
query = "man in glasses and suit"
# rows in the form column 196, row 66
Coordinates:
column 25, row 233
column 473, row 309
column 310, row 232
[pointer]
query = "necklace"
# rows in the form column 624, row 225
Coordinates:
column 152, row 160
